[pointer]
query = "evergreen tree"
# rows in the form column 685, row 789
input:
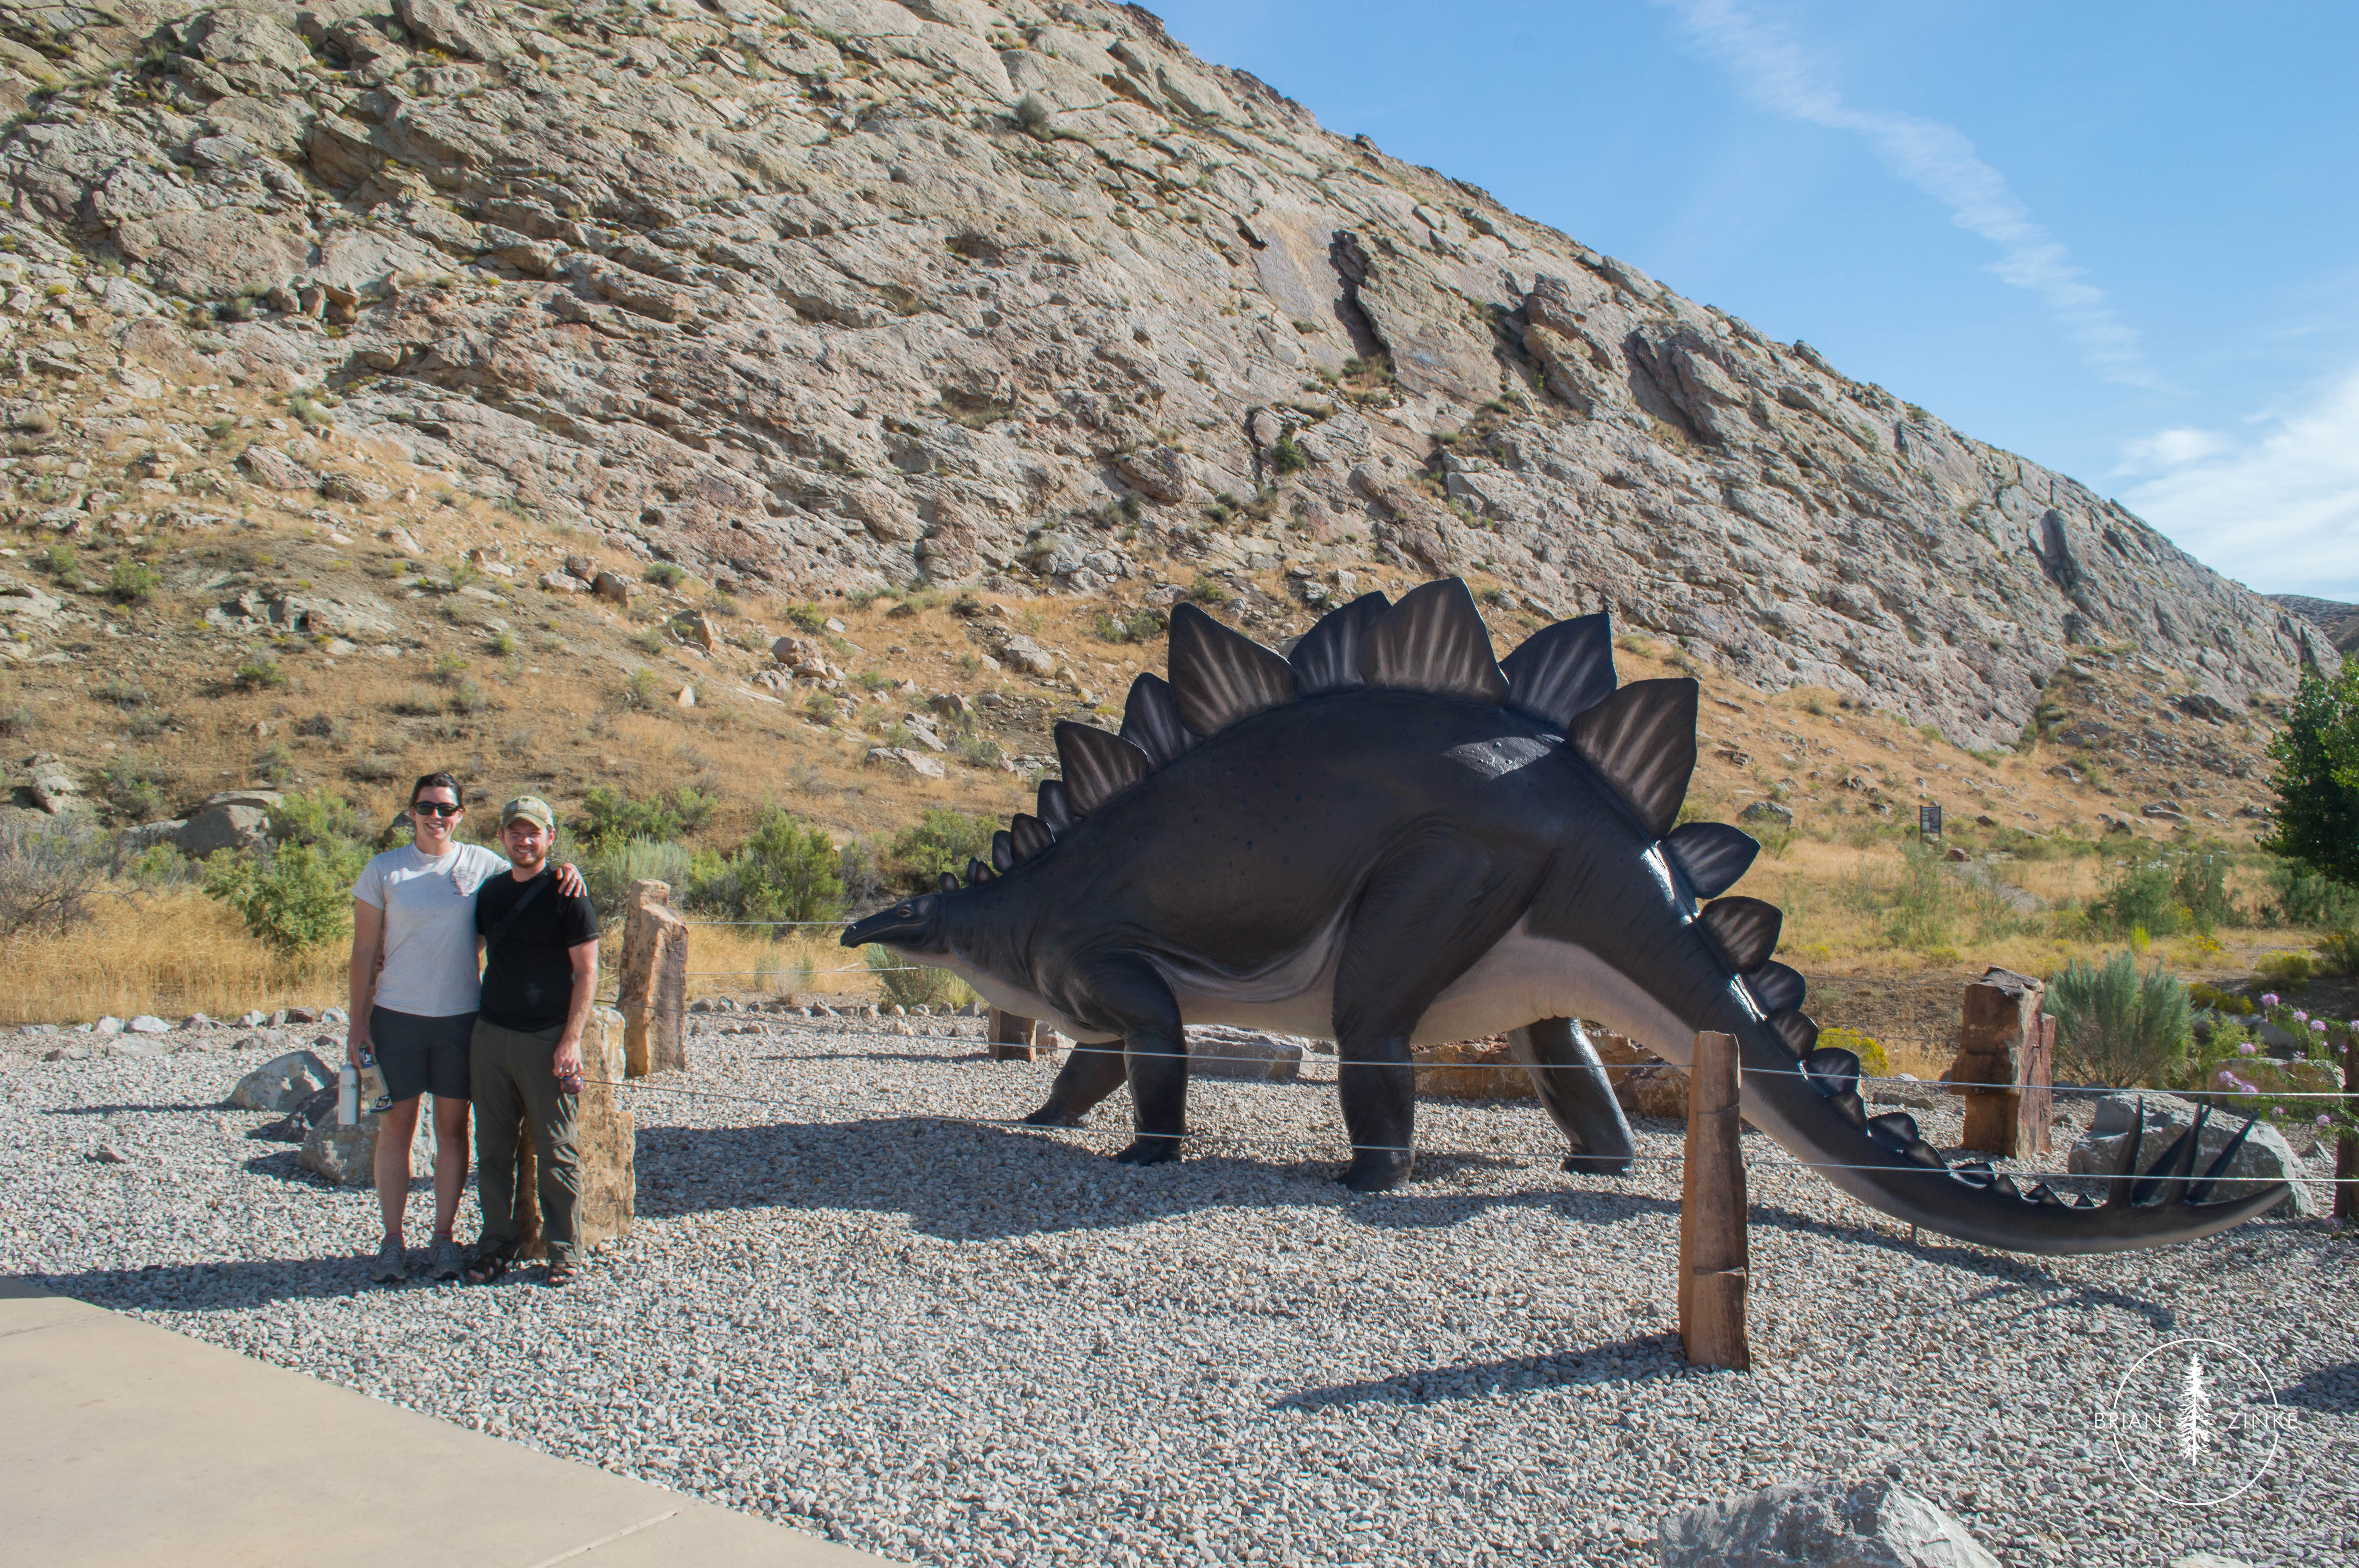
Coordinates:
column 2317, row 777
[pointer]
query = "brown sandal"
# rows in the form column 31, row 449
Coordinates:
column 560, row 1275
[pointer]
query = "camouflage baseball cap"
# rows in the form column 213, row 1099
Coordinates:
column 530, row 809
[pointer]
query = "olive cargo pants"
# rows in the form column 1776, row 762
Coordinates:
column 515, row 1085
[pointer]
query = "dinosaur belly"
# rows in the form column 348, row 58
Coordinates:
column 1526, row 976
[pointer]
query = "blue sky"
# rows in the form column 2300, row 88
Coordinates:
column 2120, row 239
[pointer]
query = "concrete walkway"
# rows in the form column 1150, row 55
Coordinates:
column 122, row 1443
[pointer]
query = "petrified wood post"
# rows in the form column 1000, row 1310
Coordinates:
column 653, row 996
column 2035, row 1089
column 1013, row 1038
column 605, row 1137
column 1713, row 1262
column 2000, row 1026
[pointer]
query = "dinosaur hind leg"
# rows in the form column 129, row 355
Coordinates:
column 1119, row 994
column 1578, row 1093
column 1435, row 905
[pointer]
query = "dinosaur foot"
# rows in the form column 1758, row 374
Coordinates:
column 1596, row 1165
column 1149, row 1150
column 1050, row 1116
column 1377, row 1169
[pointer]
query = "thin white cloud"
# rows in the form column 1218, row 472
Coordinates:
column 2168, row 450
column 1779, row 75
column 2278, row 510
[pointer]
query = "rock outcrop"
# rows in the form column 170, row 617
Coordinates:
column 867, row 293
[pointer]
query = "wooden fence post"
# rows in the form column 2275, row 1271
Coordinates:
column 1714, row 1259
column 653, row 996
column 2346, row 1148
column 1998, row 1033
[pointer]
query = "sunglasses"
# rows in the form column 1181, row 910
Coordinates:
column 435, row 807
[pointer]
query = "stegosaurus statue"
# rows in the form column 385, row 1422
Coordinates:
column 1389, row 838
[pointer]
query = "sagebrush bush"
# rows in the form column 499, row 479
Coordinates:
column 2117, row 1027
column 47, row 880
column 611, row 865
column 2300, row 896
column 1873, row 1059
column 608, row 814
column 939, row 841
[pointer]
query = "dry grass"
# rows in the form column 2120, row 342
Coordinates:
column 171, row 953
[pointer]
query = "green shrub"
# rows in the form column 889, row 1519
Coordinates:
column 663, row 574
column 1285, row 455
column 294, row 897
column 608, row 815
column 48, row 882
column 2287, row 969
column 316, row 816
column 907, row 985
column 2305, row 897
column 810, row 617
column 1922, row 909
column 259, row 674
column 2117, row 1027
column 2140, row 898
column 611, row 865
column 785, row 871
column 941, row 841
column 2199, row 881
column 135, row 787
column 1138, row 626
column 131, row 582
column 639, row 690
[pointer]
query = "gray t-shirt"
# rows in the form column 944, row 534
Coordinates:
column 431, row 968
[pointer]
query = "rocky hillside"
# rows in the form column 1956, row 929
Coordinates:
column 2339, row 621
column 1017, row 297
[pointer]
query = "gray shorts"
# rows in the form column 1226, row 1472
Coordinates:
column 422, row 1055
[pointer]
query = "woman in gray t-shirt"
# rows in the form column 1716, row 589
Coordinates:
column 414, row 977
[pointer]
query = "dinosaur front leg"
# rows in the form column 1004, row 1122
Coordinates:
column 1574, row 1087
column 1121, row 994
column 1428, row 912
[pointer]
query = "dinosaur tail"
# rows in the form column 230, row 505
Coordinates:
column 1810, row 1104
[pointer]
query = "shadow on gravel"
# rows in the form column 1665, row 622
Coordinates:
column 2332, row 1389
column 957, row 1179
column 1657, row 1356
column 930, row 1058
column 158, row 1106
column 215, row 1287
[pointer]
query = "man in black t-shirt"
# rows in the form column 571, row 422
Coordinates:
column 540, row 975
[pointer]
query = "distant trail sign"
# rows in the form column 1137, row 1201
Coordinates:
column 1928, row 822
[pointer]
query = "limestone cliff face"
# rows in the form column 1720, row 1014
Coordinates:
column 867, row 292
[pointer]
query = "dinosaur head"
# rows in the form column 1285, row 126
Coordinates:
column 913, row 926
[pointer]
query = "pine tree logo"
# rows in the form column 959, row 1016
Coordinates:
column 2194, row 1423
column 2194, row 1411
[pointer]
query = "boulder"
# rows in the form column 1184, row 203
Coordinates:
column 606, row 1137
column 2265, row 1157
column 222, row 827
column 347, row 1155
column 1768, row 811
column 1217, row 1051
column 281, row 1084
column 1820, row 1524
column 1902, row 1088
column 268, row 465
column 148, row 835
column 903, row 757
column 297, row 1125
column 1644, row 1084
column 1471, row 1069
column 148, row 1023
column 612, row 588
column 1160, row 473
column 261, row 799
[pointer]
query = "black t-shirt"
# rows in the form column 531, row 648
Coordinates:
column 528, row 972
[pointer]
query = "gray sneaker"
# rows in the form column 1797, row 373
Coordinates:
column 448, row 1262
column 392, row 1264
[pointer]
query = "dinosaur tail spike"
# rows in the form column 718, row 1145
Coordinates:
column 977, row 873
column 2201, row 1190
column 945, row 882
column 1003, row 851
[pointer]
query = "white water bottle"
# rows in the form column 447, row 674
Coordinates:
column 348, row 1095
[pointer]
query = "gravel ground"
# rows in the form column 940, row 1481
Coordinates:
column 973, row 1344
